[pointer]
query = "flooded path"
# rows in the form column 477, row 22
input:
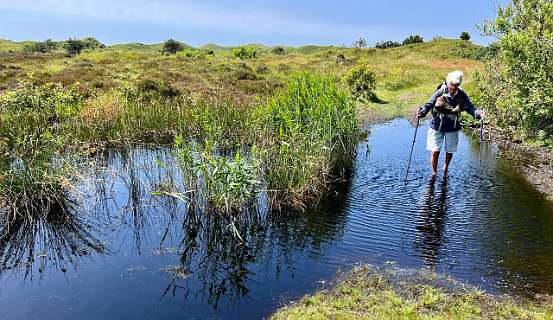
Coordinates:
column 129, row 255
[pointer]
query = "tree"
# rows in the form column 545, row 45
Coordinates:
column 465, row 36
column 171, row 47
column 413, row 39
column 360, row 43
column 516, row 85
column 73, row 46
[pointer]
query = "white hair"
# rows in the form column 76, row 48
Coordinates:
column 455, row 77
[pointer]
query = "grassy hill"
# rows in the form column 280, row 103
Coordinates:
column 8, row 45
column 406, row 75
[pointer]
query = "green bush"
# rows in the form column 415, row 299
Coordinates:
column 171, row 46
column 73, row 46
column 245, row 52
column 148, row 90
column 360, row 43
column 278, row 50
column 91, row 43
column 387, row 44
column 361, row 82
column 464, row 36
column 412, row 39
column 40, row 47
column 516, row 85
column 225, row 183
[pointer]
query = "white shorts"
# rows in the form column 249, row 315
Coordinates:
column 435, row 140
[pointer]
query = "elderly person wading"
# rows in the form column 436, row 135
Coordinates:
column 446, row 104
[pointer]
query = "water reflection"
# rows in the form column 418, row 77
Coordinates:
column 223, row 266
column 431, row 221
column 52, row 240
column 217, row 258
column 482, row 224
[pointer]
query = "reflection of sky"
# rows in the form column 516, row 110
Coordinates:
column 231, row 22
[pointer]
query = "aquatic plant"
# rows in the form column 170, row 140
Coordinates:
column 314, row 129
column 33, row 176
column 222, row 182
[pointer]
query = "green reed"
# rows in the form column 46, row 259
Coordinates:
column 314, row 128
column 33, row 177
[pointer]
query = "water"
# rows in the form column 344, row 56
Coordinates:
column 130, row 255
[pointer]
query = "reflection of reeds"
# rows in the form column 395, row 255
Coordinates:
column 55, row 238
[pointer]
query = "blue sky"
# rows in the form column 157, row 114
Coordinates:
column 237, row 22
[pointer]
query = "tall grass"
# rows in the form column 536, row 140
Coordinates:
column 294, row 144
column 33, row 177
column 314, row 128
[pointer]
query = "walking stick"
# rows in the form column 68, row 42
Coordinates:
column 481, row 129
column 412, row 146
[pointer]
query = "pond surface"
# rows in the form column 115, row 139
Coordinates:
column 130, row 255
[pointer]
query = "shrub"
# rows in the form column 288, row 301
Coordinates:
column 412, row 39
column 278, row 50
column 387, row 44
column 91, row 43
column 516, row 85
column 150, row 89
column 245, row 52
column 40, row 47
column 361, row 82
column 464, row 36
column 171, row 46
column 225, row 183
column 73, row 46
column 189, row 53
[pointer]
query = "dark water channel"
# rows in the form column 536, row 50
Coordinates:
column 130, row 255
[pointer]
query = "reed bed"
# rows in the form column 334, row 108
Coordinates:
column 290, row 146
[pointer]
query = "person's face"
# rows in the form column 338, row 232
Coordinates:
column 452, row 88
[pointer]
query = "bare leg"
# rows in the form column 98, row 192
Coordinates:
column 448, row 157
column 434, row 162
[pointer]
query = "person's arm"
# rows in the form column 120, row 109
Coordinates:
column 430, row 104
column 471, row 109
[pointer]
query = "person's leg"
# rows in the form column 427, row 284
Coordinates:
column 448, row 157
column 434, row 161
column 450, row 145
column 434, row 143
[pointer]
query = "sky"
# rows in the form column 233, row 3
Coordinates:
column 227, row 22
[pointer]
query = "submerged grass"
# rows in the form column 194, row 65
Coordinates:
column 369, row 293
